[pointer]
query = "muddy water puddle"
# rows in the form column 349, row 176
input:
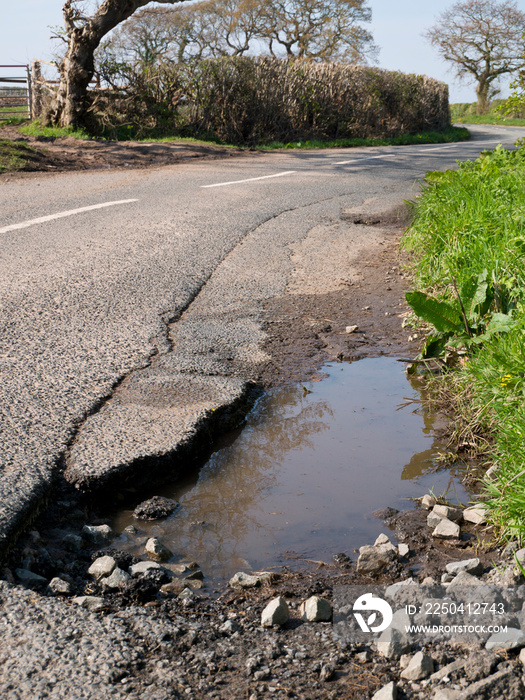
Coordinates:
column 304, row 476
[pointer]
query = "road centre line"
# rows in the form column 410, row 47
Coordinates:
column 250, row 179
column 62, row 214
column 358, row 160
column 417, row 153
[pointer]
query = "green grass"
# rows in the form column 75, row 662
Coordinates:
column 466, row 113
column 451, row 134
column 14, row 156
column 489, row 119
column 128, row 133
column 35, row 128
column 470, row 220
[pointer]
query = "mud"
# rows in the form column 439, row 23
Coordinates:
column 65, row 153
column 304, row 331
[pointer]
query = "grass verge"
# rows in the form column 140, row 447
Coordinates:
column 453, row 133
column 14, row 156
column 34, row 128
column 468, row 233
column 466, row 113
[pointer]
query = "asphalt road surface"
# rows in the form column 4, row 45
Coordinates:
column 95, row 266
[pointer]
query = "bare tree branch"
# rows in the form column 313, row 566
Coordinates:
column 483, row 39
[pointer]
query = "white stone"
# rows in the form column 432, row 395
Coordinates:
column 117, row 579
column 421, row 666
column 446, row 530
column 177, row 568
column 316, row 609
column 102, row 566
column 90, row 602
column 399, row 585
column 428, row 502
column 522, row 657
column 475, row 514
column 465, row 579
column 351, row 329
column 454, row 514
column 142, row 566
column 433, row 519
column 372, row 560
column 511, row 639
column 387, row 692
column 243, row 580
column 470, row 566
column 275, row 613
column 156, row 550
column 392, row 643
column 57, row 586
column 382, row 539
column 446, row 670
column 403, row 549
column 98, row 534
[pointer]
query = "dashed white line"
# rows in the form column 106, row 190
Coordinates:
column 410, row 153
column 250, row 179
column 358, row 160
column 62, row 214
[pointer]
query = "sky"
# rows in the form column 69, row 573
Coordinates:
column 397, row 27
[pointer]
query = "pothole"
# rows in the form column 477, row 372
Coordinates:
column 302, row 479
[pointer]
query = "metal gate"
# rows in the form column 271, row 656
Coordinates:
column 15, row 92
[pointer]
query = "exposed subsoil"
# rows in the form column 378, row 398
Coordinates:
column 197, row 655
column 65, row 153
column 307, row 330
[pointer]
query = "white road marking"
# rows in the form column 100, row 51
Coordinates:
column 411, row 153
column 358, row 160
column 62, row 214
column 250, row 179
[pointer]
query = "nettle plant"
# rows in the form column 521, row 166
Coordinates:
column 481, row 307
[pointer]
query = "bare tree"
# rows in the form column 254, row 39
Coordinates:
column 84, row 33
column 484, row 40
column 318, row 29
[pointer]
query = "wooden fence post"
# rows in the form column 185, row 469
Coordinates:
column 29, row 93
column 36, row 85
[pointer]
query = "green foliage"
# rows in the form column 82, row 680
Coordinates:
column 500, row 112
column 13, row 155
column 467, row 320
column 468, row 242
column 36, row 128
column 448, row 135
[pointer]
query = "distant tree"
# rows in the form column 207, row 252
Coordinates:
column 150, row 35
column 483, row 39
column 318, row 29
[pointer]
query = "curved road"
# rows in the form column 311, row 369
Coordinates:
column 94, row 266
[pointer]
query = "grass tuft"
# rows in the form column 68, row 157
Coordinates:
column 14, row 156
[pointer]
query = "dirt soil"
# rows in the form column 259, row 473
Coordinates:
column 66, row 153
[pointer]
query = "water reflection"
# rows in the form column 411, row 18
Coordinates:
column 306, row 473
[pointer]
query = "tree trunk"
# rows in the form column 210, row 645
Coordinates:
column 76, row 72
column 482, row 92
column 78, row 66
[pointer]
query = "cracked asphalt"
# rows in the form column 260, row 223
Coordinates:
column 127, row 329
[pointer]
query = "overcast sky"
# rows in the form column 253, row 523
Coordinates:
column 397, row 26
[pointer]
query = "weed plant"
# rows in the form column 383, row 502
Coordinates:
column 470, row 221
